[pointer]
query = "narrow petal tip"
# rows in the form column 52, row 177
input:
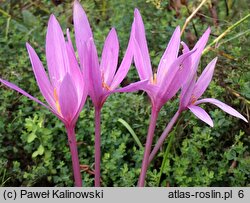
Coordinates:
column 208, row 30
column 244, row 119
column 185, row 47
column 53, row 23
column 113, row 31
column 68, row 34
column 76, row 4
column 52, row 18
column 28, row 46
column 136, row 11
column 137, row 14
column 178, row 28
column 228, row 109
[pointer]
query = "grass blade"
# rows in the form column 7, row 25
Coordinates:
column 132, row 132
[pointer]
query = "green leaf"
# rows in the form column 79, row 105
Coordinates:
column 31, row 137
column 34, row 154
column 40, row 150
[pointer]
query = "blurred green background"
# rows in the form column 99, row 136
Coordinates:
column 33, row 142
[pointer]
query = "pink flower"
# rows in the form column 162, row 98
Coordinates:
column 172, row 71
column 103, row 77
column 193, row 90
column 64, row 90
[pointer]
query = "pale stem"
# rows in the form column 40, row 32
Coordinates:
column 74, row 156
column 97, row 146
column 163, row 136
column 150, row 136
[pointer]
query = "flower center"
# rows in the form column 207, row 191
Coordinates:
column 57, row 101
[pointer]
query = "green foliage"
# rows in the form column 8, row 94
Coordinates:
column 33, row 142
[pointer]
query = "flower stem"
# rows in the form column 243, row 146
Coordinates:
column 74, row 156
column 151, row 129
column 163, row 136
column 97, row 146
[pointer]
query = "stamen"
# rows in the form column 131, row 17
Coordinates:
column 193, row 99
column 105, row 85
column 153, row 79
column 57, row 101
column 102, row 75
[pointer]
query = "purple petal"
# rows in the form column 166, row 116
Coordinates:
column 199, row 46
column 56, row 53
column 201, row 114
column 94, row 74
column 75, row 72
column 14, row 87
column 169, row 55
column 110, row 57
column 79, row 109
column 69, row 42
column 125, row 64
column 41, row 77
column 223, row 106
column 142, row 54
column 79, row 81
column 82, row 32
column 139, row 62
column 204, row 80
column 186, row 93
column 81, row 23
column 181, row 77
column 175, row 76
column 140, row 85
column 185, row 48
column 68, row 99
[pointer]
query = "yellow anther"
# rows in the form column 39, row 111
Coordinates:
column 57, row 101
column 102, row 76
column 105, row 85
column 193, row 99
column 153, row 79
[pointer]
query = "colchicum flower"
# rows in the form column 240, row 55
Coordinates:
column 105, row 77
column 192, row 90
column 102, row 77
column 65, row 90
column 172, row 72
